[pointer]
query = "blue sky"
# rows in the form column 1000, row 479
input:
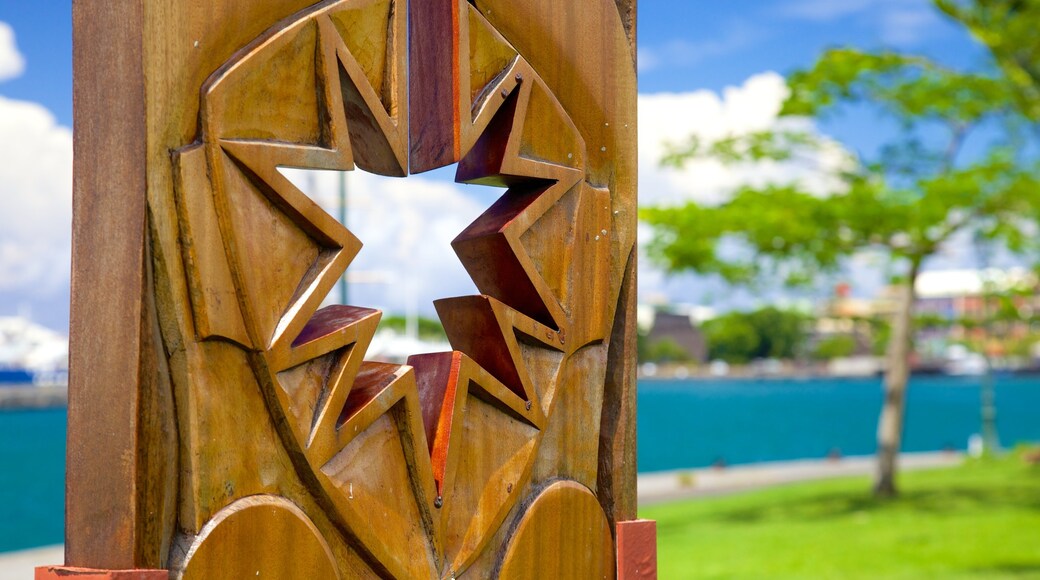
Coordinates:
column 685, row 45
column 713, row 56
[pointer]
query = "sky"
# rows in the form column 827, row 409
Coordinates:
column 705, row 68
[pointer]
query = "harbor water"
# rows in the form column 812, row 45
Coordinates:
column 682, row 424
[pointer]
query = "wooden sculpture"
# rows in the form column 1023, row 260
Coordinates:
column 221, row 425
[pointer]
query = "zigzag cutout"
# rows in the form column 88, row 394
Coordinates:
column 330, row 405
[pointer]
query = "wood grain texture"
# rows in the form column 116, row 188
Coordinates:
column 432, row 469
column 103, row 481
column 479, row 478
column 581, row 52
column 236, row 544
column 617, row 440
column 563, row 535
column 627, row 12
column 433, row 84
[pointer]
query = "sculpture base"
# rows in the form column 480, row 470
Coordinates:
column 637, row 550
column 70, row 572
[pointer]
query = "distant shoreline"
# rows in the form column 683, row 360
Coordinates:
column 671, row 373
column 32, row 397
column 28, row 397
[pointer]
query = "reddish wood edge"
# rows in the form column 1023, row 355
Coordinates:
column 107, row 369
column 60, row 572
column 637, row 550
column 433, row 87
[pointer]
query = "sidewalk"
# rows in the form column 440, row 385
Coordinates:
column 690, row 483
column 22, row 565
column 653, row 488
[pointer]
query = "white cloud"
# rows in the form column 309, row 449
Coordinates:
column 35, row 209
column 754, row 106
column 750, row 107
column 673, row 117
column 406, row 226
column 11, row 61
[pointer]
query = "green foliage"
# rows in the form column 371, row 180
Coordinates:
column 928, row 320
column 833, row 347
column 782, row 333
column 911, row 88
column 429, row 329
column 970, row 521
column 756, row 146
column 731, row 338
column 904, row 204
column 665, row 350
column 1009, row 29
column 881, row 333
column 739, row 337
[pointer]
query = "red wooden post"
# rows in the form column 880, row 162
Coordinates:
column 637, row 550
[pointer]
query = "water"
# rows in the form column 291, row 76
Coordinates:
column 685, row 423
column 681, row 424
column 32, row 478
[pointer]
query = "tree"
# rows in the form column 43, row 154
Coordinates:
column 781, row 333
column 1008, row 28
column 905, row 202
column 769, row 332
column 837, row 346
column 732, row 338
column 428, row 328
column 666, row 350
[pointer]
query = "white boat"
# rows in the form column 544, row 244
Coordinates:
column 962, row 362
column 32, row 354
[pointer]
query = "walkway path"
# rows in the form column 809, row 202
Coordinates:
column 22, row 565
column 689, row 483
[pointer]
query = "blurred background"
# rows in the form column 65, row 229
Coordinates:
column 839, row 301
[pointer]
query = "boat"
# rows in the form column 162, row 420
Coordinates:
column 960, row 362
column 31, row 354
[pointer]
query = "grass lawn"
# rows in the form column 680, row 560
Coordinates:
column 980, row 520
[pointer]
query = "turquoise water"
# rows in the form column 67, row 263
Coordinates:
column 695, row 423
column 32, row 478
column 681, row 424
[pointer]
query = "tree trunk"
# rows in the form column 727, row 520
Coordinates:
column 897, row 372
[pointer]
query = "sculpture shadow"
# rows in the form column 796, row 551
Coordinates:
column 928, row 501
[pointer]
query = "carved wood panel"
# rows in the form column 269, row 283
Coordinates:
column 510, row 456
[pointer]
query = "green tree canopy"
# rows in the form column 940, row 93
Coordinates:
column 1009, row 29
column 740, row 337
column 427, row 328
column 665, row 350
column 836, row 346
column 905, row 202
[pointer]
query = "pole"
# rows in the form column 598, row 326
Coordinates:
column 343, row 220
column 987, row 391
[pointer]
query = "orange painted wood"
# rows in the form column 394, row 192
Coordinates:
column 637, row 550
column 66, row 572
